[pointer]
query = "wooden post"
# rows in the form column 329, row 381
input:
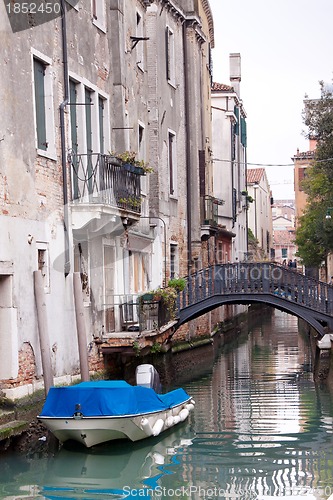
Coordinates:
column 43, row 331
column 81, row 327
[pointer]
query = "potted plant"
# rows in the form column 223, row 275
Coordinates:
column 178, row 284
column 131, row 163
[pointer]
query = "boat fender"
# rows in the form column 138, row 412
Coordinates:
column 192, row 401
column 158, row 426
column 183, row 414
column 189, row 406
column 176, row 419
column 169, row 422
column 146, row 427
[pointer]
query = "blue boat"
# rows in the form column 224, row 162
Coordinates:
column 96, row 412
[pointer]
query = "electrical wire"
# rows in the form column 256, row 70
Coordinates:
column 270, row 164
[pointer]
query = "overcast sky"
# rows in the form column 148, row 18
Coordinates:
column 286, row 48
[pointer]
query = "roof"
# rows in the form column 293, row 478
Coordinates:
column 221, row 87
column 255, row 175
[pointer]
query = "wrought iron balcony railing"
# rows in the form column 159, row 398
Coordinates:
column 103, row 179
column 211, row 205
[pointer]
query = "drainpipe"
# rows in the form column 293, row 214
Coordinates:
column 67, row 264
column 188, row 158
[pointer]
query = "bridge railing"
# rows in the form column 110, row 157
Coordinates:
column 257, row 278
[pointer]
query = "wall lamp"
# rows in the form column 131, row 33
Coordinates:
column 328, row 213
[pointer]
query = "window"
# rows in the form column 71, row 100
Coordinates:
column 142, row 154
column 73, row 3
column 98, row 14
column 81, row 265
column 43, row 263
column 109, row 279
column 140, row 44
column 173, row 260
column 284, row 253
column 39, row 74
column 137, row 271
column 73, row 114
column 89, row 137
column 172, row 165
column 170, row 55
column 101, row 119
column 43, row 105
column 89, row 111
column 89, row 132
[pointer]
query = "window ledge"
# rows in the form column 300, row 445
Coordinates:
column 172, row 84
column 47, row 154
column 99, row 25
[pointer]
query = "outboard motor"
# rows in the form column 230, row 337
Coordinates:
column 147, row 376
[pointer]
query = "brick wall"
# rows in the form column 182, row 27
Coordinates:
column 27, row 368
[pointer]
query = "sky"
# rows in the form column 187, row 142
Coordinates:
column 286, row 48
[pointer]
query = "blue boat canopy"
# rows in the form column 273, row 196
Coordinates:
column 108, row 398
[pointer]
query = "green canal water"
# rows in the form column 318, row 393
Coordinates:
column 261, row 429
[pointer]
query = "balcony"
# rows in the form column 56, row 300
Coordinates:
column 102, row 184
column 210, row 222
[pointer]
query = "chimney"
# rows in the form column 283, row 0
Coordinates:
column 235, row 71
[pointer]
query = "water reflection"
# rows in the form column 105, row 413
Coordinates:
column 267, row 428
column 261, row 429
column 119, row 470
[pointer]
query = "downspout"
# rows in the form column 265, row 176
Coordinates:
column 67, row 264
column 247, row 210
column 188, row 158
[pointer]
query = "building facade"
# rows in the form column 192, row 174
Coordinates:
column 283, row 214
column 260, row 210
column 229, row 166
column 85, row 94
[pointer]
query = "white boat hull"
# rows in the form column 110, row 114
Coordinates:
column 91, row 431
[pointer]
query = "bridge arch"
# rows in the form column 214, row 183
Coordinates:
column 189, row 313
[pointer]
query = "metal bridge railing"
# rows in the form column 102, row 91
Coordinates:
column 257, row 278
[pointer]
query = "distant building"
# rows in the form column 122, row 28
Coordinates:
column 301, row 163
column 229, row 166
column 283, row 216
column 260, row 210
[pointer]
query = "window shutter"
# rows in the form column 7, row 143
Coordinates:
column 167, row 53
column 243, row 132
column 202, row 172
column 171, row 171
column 39, row 76
column 73, row 115
column 87, row 96
column 236, row 127
column 101, row 124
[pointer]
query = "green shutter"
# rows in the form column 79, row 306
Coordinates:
column 39, row 77
column 236, row 128
column 87, row 100
column 73, row 117
column 101, row 124
column 243, row 132
column 167, row 53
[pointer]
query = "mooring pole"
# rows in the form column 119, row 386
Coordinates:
column 81, row 327
column 43, row 331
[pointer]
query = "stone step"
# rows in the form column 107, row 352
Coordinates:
column 6, row 416
column 12, row 428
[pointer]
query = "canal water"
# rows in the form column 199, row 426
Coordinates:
column 261, row 429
